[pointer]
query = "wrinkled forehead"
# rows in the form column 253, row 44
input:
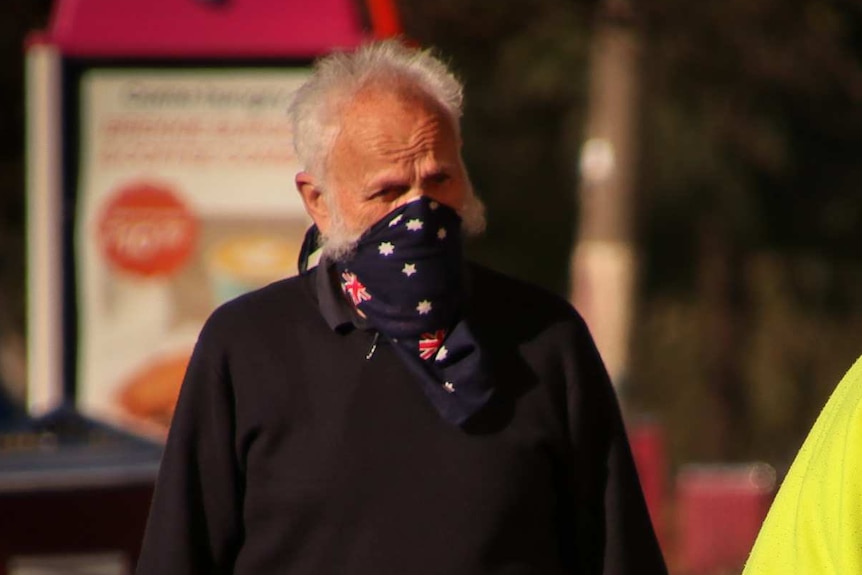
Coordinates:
column 384, row 125
column 392, row 109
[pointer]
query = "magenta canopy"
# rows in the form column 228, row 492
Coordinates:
column 204, row 28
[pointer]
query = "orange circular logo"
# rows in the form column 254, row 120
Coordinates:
column 145, row 229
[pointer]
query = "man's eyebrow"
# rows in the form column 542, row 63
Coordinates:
column 387, row 181
column 384, row 181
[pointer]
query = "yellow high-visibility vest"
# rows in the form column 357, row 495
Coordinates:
column 815, row 523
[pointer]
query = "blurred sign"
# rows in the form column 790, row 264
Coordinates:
column 186, row 199
column 160, row 183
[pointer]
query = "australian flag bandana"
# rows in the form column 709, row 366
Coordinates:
column 406, row 276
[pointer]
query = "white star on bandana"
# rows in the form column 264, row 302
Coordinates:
column 424, row 307
column 395, row 220
column 441, row 233
column 409, row 269
column 386, row 249
column 442, row 353
column 414, row 225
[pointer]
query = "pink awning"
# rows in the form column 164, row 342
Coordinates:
column 205, row 28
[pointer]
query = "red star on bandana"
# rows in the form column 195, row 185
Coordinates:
column 430, row 342
column 354, row 288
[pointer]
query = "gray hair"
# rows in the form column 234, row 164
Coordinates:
column 339, row 76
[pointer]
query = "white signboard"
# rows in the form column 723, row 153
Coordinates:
column 185, row 199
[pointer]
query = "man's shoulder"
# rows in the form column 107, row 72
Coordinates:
column 523, row 310
column 517, row 296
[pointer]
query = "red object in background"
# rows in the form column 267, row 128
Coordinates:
column 145, row 229
column 384, row 18
column 74, row 520
column 647, row 442
column 213, row 29
column 720, row 511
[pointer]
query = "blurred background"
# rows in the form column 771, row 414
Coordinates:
column 717, row 144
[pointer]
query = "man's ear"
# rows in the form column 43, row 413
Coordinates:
column 312, row 197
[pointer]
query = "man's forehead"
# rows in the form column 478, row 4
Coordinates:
column 381, row 103
column 388, row 120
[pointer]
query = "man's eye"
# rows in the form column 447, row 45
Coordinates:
column 389, row 192
column 439, row 178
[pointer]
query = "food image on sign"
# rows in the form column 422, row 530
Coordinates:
column 151, row 392
column 241, row 263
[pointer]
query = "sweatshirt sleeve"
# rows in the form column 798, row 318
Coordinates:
column 193, row 525
column 612, row 521
column 815, row 523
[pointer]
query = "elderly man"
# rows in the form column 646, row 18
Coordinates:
column 394, row 409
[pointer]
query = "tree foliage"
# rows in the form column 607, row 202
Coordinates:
column 749, row 216
column 751, row 219
column 524, row 66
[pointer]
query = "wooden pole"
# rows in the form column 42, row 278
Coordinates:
column 603, row 263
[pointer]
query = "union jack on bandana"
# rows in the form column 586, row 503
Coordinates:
column 354, row 288
column 430, row 343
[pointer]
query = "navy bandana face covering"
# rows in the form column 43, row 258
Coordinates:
column 406, row 276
